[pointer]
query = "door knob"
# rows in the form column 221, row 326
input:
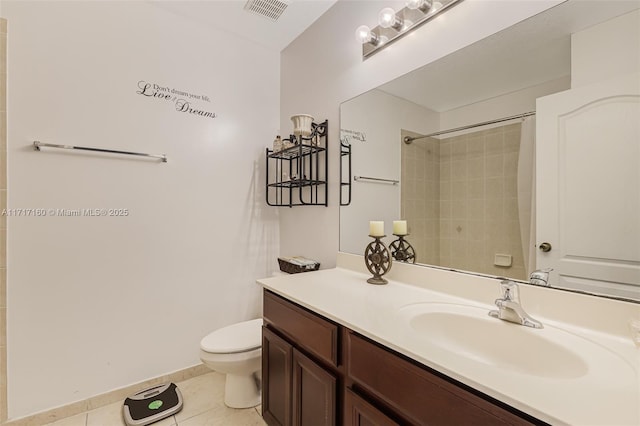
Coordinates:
column 545, row 247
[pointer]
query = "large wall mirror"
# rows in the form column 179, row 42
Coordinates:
column 434, row 148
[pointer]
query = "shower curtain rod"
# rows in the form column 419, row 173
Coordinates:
column 409, row 139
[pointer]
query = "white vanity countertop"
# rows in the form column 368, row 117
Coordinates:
column 606, row 395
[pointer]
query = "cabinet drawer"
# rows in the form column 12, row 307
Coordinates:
column 307, row 330
column 421, row 396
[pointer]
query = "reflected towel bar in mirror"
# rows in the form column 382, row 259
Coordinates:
column 365, row 178
column 37, row 145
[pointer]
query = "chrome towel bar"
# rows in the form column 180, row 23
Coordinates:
column 37, row 145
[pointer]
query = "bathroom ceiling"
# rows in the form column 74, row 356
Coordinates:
column 231, row 16
column 533, row 52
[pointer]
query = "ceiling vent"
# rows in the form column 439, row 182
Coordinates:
column 271, row 9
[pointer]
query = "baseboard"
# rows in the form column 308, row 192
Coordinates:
column 97, row 401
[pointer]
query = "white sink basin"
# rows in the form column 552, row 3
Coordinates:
column 469, row 332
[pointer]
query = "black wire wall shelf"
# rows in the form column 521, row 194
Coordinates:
column 297, row 175
column 345, row 175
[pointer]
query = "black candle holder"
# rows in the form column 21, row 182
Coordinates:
column 402, row 250
column 378, row 260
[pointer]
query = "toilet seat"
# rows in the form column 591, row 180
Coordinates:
column 241, row 337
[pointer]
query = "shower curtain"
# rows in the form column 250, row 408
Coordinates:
column 527, row 192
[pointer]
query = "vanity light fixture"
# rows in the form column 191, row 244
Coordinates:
column 392, row 25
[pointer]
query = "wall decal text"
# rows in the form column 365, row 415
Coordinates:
column 182, row 101
column 346, row 136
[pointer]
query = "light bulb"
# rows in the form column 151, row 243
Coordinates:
column 387, row 19
column 423, row 5
column 365, row 35
column 436, row 6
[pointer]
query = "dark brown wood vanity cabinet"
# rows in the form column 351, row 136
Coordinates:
column 418, row 395
column 316, row 372
column 300, row 373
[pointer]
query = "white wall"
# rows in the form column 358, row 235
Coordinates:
column 97, row 303
column 381, row 117
column 505, row 105
column 606, row 50
column 323, row 68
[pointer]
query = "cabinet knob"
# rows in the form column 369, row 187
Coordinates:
column 545, row 247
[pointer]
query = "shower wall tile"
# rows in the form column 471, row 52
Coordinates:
column 475, row 208
column 3, row 248
column 459, row 169
column 510, row 164
column 3, row 206
column 3, row 289
column 3, row 220
column 420, row 192
column 3, row 381
column 445, row 209
column 476, row 168
column 3, row 49
column 459, row 209
column 459, row 190
column 445, row 149
column 475, row 188
column 493, row 144
column 445, row 170
column 475, row 147
column 494, row 165
column 3, row 90
column 445, row 190
column 512, row 138
column 3, row 127
column 478, row 199
column 510, row 185
column 3, row 168
column 459, row 148
column 459, row 196
column 494, row 188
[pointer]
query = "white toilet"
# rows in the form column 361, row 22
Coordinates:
column 235, row 350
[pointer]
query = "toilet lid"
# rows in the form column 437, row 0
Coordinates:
column 240, row 337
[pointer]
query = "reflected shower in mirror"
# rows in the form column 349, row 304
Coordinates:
column 466, row 194
column 467, row 177
column 481, row 218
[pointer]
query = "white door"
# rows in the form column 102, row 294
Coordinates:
column 588, row 186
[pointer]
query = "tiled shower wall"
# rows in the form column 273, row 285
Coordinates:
column 420, row 195
column 476, row 200
column 3, row 220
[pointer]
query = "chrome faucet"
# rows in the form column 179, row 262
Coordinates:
column 509, row 308
column 540, row 277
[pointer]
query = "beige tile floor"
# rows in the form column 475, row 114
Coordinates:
column 203, row 406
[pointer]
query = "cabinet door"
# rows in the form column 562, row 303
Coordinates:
column 358, row 412
column 314, row 393
column 276, row 379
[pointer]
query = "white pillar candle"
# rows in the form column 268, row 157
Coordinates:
column 400, row 227
column 376, row 228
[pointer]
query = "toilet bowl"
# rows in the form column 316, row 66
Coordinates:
column 236, row 351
